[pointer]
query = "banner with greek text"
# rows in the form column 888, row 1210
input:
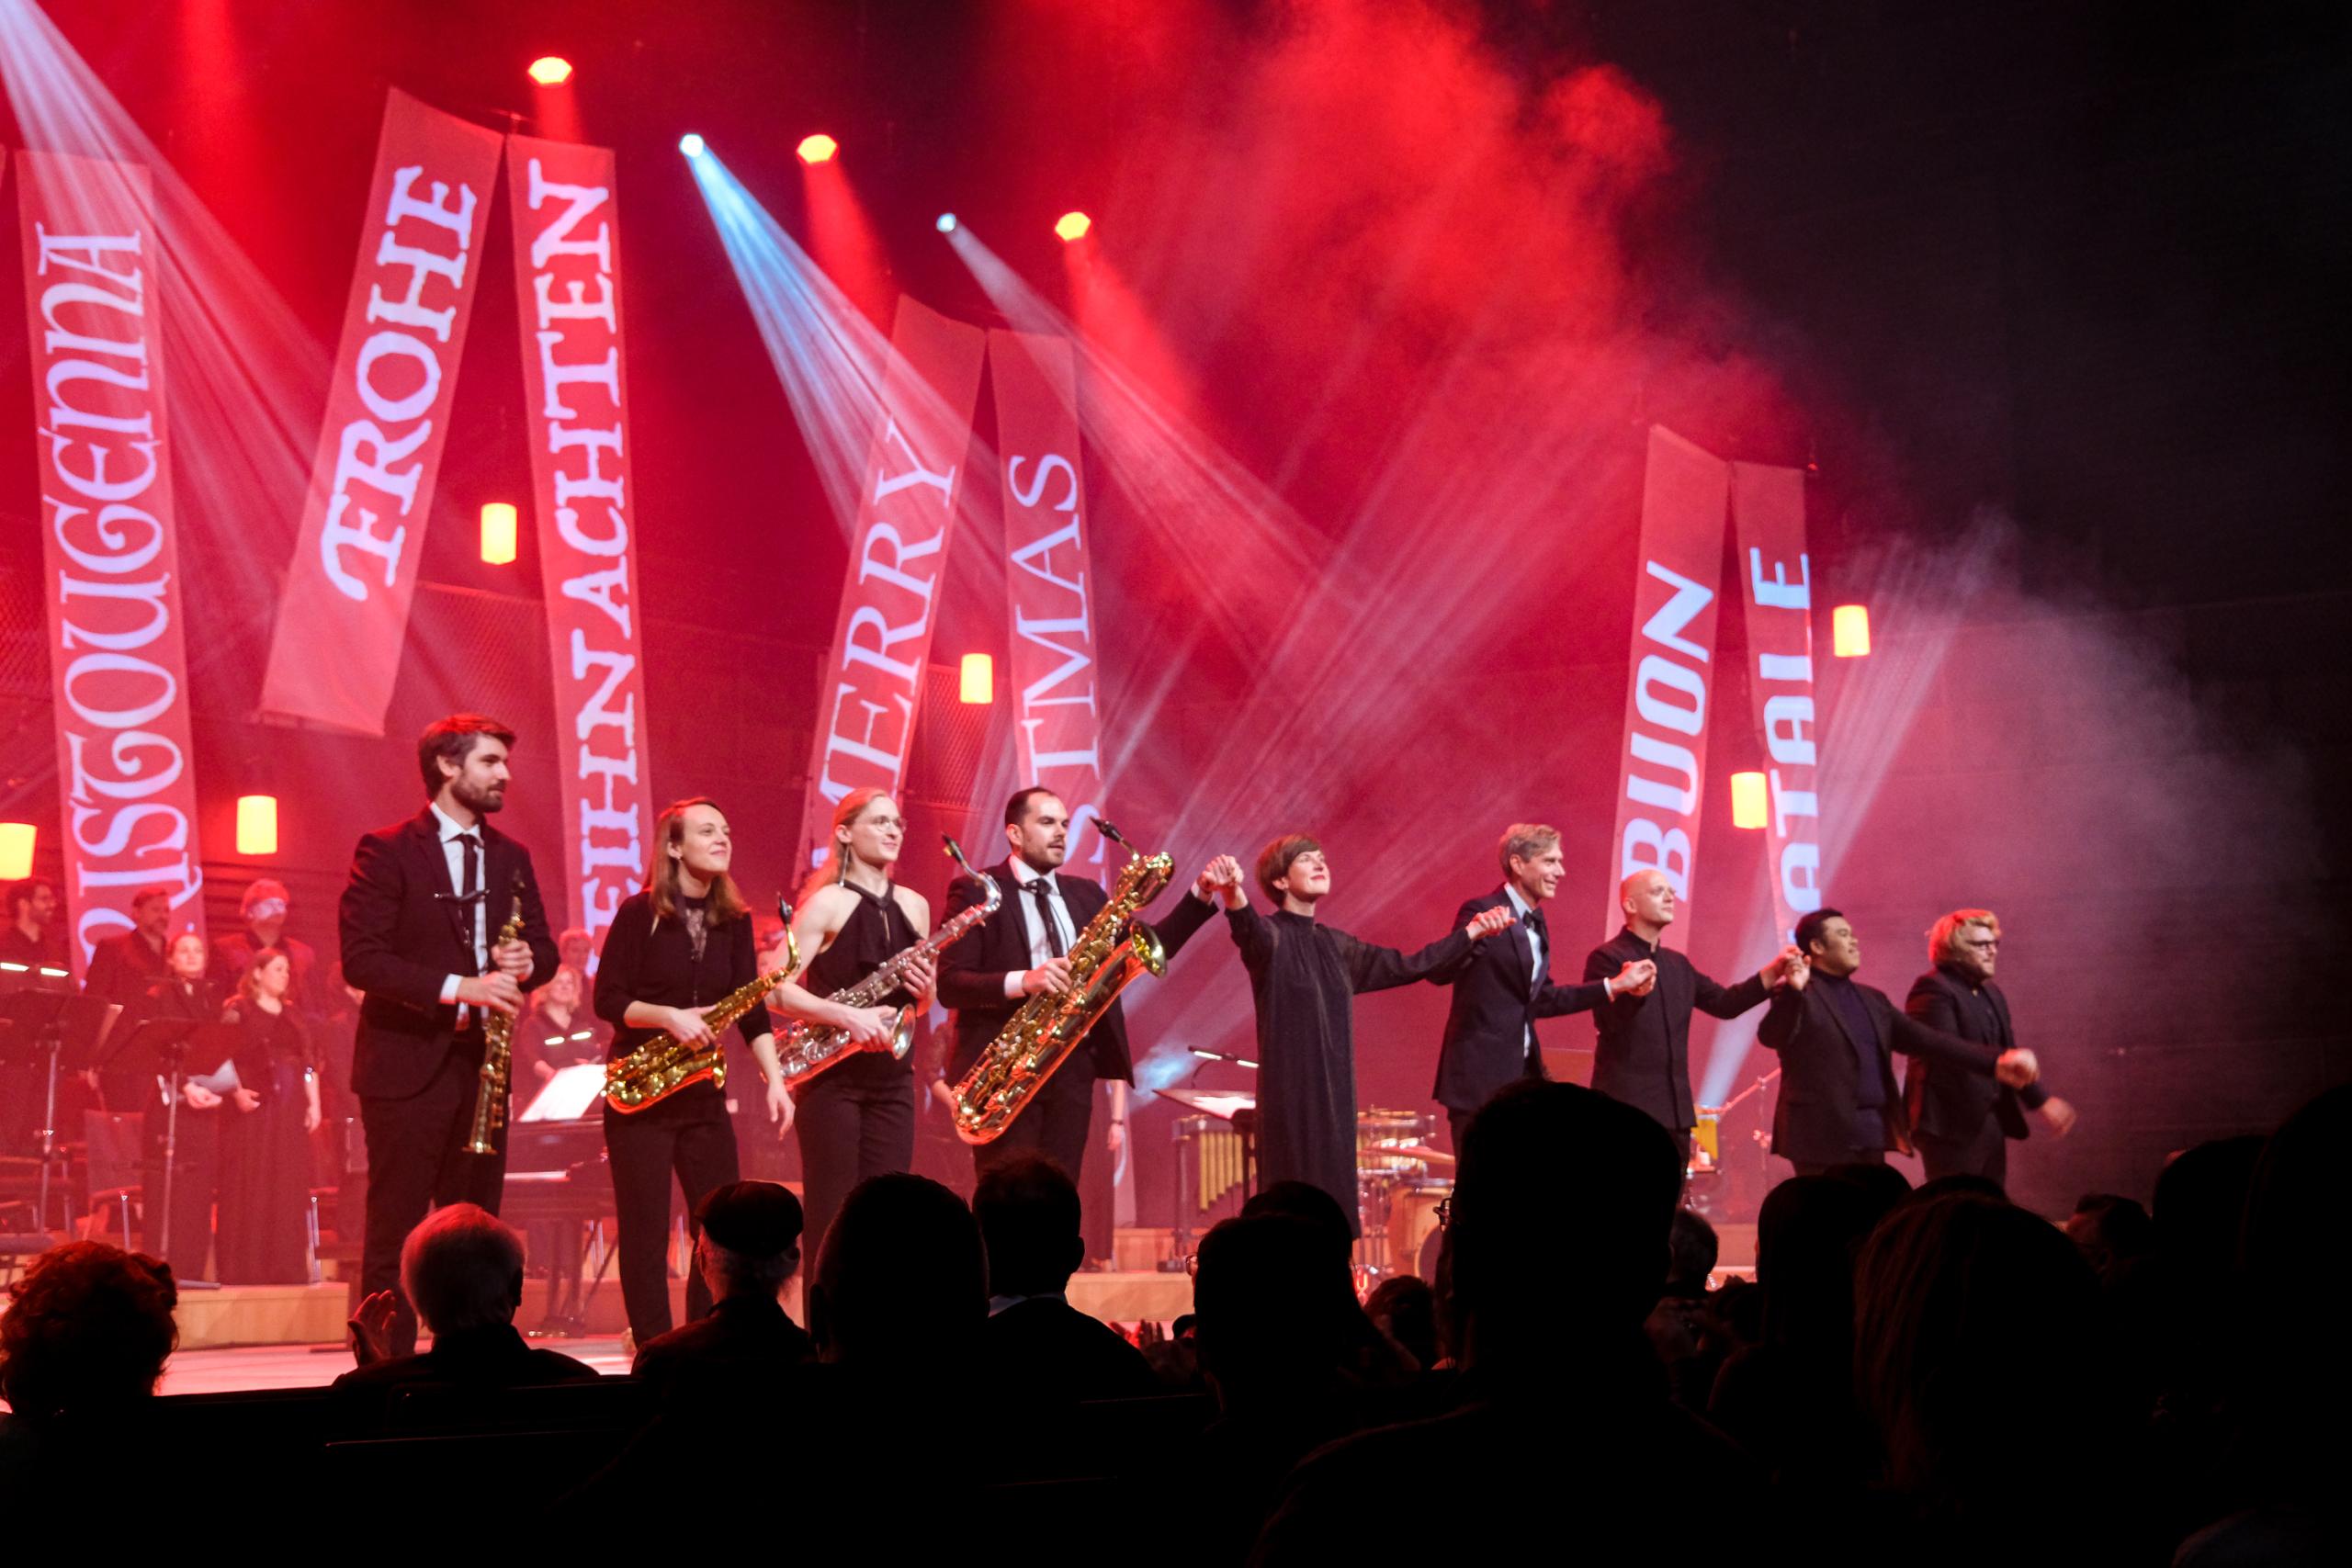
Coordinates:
column 1051, row 673
column 568, row 289
column 1776, row 582
column 110, row 566
column 1662, row 769
column 343, row 615
column 873, row 678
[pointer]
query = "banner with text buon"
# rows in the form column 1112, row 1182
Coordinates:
column 1049, row 598
column 370, row 494
column 568, row 289
column 1662, row 769
column 1776, row 582
column 110, row 567
column 872, row 681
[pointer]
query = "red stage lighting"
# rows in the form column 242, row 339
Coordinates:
column 1748, row 807
column 550, row 70
column 979, row 679
column 15, row 850
column 1073, row 227
column 1850, row 630
column 256, row 824
column 817, row 148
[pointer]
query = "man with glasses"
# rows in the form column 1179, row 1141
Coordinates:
column 1963, row 1122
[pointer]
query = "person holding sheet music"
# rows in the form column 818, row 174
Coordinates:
column 265, row 1125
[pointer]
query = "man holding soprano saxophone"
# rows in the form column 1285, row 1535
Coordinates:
column 417, row 917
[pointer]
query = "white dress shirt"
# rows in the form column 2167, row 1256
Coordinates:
column 454, row 852
column 1522, row 908
column 1040, row 949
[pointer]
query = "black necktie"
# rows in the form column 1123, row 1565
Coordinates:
column 473, row 848
column 1044, row 888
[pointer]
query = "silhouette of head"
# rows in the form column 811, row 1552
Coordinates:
column 1562, row 1210
column 1404, row 1307
column 1028, row 1214
column 901, row 1276
column 462, row 1269
column 1806, row 1235
column 1304, row 1201
column 1273, row 1307
column 90, row 1327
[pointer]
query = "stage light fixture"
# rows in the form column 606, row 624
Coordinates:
column 1073, row 227
column 979, row 679
column 947, row 224
column 256, row 824
column 1850, row 630
column 1748, row 805
column 15, row 850
column 817, row 148
column 550, row 70
column 498, row 531
column 690, row 144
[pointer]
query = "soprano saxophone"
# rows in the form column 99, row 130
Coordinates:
column 807, row 1049
column 1112, row 950
column 498, row 1057
column 661, row 1066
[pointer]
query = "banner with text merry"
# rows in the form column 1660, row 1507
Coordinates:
column 872, row 681
column 110, row 560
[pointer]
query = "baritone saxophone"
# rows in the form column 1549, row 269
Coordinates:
column 1112, row 950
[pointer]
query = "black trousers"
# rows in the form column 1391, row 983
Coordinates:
column 1054, row 1124
column 1985, row 1154
column 687, row 1135
column 417, row 1162
column 1851, row 1157
column 853, row 1123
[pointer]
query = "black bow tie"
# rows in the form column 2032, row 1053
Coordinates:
column 1535, row 922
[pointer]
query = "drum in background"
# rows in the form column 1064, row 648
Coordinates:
column 1379, row 1134
column 1412, row 1222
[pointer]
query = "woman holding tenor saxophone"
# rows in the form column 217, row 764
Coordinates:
column 856, row 1117
column 679, row 945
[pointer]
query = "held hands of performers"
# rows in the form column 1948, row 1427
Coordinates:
column 1220, row 882
column 1636, row 978
column 1789, row 968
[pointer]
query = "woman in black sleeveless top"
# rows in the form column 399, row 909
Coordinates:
column 856, row 1119
column 674, row 949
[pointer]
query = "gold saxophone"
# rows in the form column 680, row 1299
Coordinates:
column 804, row 1050
column 1112, row 950
column 498, row 1058
column 662, row 1067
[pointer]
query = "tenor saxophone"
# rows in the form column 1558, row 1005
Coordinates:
column 498, row 1057
column 1112, row 950
column 806, row 1049
column 662, row 1067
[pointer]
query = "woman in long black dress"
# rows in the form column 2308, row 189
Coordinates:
column 265, row 1133
column 195, row 1159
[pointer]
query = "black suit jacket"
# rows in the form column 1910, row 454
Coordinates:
column 1943, row 1101
column 1643, row 1055
column 123, row 966
column 1496, row 1002
column 972, row 970
column 404, row 932
column 1813, row 1123
column 745, row 1338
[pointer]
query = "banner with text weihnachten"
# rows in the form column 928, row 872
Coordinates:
column 344, row 615
column 1662, row 768
column 872, row 681
column 1049, row 604
column 568, row 289
column 110, row 566
column 1776, row 582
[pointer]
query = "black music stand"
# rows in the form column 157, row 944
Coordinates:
column 164, row 1045
column 47, row 1027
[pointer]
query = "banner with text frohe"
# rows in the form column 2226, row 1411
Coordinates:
column 568, row 290
column 109, row 555
column 370, row 494
column 1776, row 584
column 1662, row 767
column 872, row 681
